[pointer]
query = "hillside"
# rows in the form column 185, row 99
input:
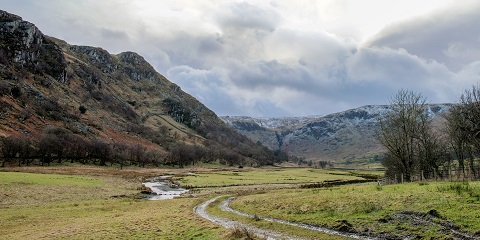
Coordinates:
column 338, row 137
column 49, row 88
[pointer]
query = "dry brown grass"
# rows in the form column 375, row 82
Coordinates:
column 93, row 203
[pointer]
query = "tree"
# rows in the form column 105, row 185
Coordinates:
column 467, row 122
column 100, row 150
column 11, row 147
column 407, row 135
column 53, row 144
column 457, row 136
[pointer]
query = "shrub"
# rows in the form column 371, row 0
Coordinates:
column 82, row 109
column 16, row 91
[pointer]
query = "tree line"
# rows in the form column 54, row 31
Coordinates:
column 420, row 148
column 61, row 145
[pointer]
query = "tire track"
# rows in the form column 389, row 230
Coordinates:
column 224, row 206
column 268, row 234
column 263, row 233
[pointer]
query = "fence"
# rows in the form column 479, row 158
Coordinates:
column 468, row 174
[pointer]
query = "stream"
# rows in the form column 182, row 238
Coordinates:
column 163, row 188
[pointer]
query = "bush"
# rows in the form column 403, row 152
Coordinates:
column 16, row 91
column 82, row 109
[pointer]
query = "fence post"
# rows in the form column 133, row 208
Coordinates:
column 401, row 178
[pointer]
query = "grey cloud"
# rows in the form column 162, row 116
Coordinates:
column 396, row 66
column 246, row 15
column 114, row 34
column 449, row 36
column 216, row 93
column 314, row 48
column 269, row 74
column 252, row 64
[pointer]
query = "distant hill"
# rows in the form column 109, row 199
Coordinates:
column 116, row 98
column 338, row 137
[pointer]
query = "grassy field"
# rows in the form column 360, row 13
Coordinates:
column 241, row 177
column 81, row 202
column 55, row 206
column 395, row 210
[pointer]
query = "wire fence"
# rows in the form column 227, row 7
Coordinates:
column 467, row 174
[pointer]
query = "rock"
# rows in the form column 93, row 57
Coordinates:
column 25, row 45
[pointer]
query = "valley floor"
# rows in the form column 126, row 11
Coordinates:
column 79, row 202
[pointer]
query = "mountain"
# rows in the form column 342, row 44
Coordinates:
column 339, row 137
column 50, row 89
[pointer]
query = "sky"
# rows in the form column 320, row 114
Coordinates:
column 275, row 58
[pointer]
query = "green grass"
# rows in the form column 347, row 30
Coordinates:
column 39, row 206
column 9, row 178
column 281, row 228
column 107, row 219
column 366, row 206
column 105, row 204
column 263, row 176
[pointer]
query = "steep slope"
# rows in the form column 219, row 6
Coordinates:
column 45, row 82
column 344, row 136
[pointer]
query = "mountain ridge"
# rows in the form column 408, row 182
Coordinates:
column 336, row 137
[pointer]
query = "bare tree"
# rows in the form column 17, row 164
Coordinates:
column 469, row 125
column 457, row 136
column 406, row 134
column 10, row 148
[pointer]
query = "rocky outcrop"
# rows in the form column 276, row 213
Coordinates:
column 98, row 56
column 26, row 47
column 136, row 68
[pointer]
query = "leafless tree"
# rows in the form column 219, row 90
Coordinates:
column 407, row 135
column 469, row 124
column 457, row 136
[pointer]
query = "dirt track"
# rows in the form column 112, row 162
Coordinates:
column 268, row 234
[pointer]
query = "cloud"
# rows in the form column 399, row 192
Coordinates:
column 450, row 36
column 276, row 58
column 211, row 88
column 243, row 15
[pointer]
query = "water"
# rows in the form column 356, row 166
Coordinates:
column 163, row 190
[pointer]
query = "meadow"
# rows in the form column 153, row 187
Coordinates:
column 258, row 176
column 93, row 206
column 102, row 203
column 434, row 210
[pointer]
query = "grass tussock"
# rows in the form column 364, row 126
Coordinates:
column 461, row 188
column 242, row 233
